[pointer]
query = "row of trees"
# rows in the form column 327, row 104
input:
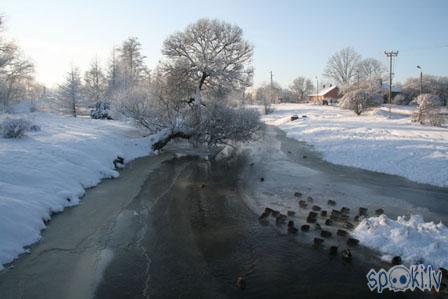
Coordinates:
column 188, row 95
column 435, row 85
column 267, row 94
column 125, row 74
column 193, row 93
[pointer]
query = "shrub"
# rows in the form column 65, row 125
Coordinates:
column 16, row 128
column 101, row 111
column 360, row 100
column 428, row 112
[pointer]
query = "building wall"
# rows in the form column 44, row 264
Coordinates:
column 332, row 94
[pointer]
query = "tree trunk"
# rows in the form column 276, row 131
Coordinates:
column 162, row 142
column 201, row 83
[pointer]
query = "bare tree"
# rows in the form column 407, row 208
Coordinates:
column 94, row 82
column 301, row 88
column 370, row 69
column 16, row 72
column 212, row 54
column 69, row 92
column 112, row 74
column 209, row 56
column 342, row 66
column 127, row 68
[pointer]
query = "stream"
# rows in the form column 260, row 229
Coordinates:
column 176, row 225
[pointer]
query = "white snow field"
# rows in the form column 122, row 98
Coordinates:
column 371, row 141
column 415, row 240
column 49, row 170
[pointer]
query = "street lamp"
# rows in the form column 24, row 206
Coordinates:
column 317, row 89
column 421, row 79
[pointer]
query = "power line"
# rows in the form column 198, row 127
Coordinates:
column 425, row 48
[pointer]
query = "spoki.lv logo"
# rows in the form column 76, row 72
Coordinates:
column 400, row 278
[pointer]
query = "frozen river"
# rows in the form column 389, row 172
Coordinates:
column 186, row 227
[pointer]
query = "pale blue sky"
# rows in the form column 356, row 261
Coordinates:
column 291, row 38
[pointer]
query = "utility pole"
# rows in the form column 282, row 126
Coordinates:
column 272, row 88
column 421, row 79
column 317, row 90
column 390, row 55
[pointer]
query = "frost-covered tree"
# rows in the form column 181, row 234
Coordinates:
column 207, row 62
column 112, row 74
column 428, row 111
column 370, row 69
column 301, row 88
column 263, row 96
column 70, row 92
column 431, row 84
column 128, row 80
column 342, row 66
column 16, row 72
column 131, row 65
column 95, row 82
column 360, row 100
column 210, row 54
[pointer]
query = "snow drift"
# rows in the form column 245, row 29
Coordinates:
column 415, row 240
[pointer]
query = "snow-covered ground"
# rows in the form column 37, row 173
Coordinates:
column 371, row 141
column 49, row 170
column 415, row 240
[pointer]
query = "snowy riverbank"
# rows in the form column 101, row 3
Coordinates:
column 371, row 141
column 48, row 170
column 415, row 240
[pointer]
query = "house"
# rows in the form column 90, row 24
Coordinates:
column 330, row 94
column 395, row 90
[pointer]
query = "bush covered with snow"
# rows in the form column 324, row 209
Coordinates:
column 16, row 128
column 101, row 110
column 360, row 100
column 428, row 112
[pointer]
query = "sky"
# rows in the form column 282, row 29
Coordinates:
column 291, row 38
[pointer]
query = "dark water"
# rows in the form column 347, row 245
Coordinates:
column 199, row 239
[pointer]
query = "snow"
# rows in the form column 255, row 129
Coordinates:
column 371, row 141
column 415, row 240
column 47, row 171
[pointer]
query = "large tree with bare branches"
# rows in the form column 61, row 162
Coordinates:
column 301, row 87
column 370, row 69
column 210, row 57
column 210, row 54
column 342, row 66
